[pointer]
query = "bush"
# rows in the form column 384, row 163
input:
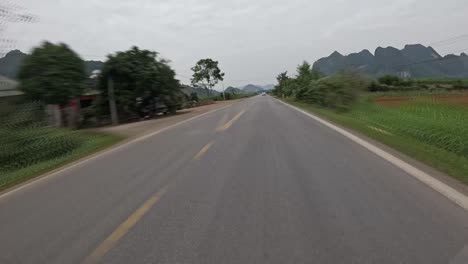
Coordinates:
column 390, row 80
column 377, row 87
column 338, row 92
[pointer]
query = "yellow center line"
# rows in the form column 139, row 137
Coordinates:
column 230, row 122
column 112, row 240
column 203, row 150
column 223, row 120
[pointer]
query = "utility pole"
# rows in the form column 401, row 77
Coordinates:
column 113, row 107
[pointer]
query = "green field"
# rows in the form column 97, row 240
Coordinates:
column 90, row 143
column 29, row 147
column 432, row 132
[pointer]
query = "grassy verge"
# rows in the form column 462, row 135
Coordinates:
column 432, row 133
column 93, row 142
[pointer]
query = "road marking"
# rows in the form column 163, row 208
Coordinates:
column 203, row 150
column 112, row 240
column 98, row 155
column 223, row 120
column 447, row 191
column 230, row 122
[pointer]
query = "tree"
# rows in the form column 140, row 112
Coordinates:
column 281, row 79
column 136, row 74
column 53, row 74
column 305, row 74
column 206, row 74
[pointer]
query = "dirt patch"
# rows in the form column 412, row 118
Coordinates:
column 395, row 101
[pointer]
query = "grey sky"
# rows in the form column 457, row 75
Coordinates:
column 253, row 40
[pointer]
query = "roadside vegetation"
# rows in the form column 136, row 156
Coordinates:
column 39, row 130
column 30, row 147
column 428, row 124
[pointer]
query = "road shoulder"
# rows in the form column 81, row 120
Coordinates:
column 448, row 186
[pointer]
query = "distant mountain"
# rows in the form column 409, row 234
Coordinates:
column 10, row 64
column 250, row 88
column 416, row 61
column 92, row 66
column 233, row 90
column 201, row 92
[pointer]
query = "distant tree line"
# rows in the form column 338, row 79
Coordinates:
column 389, row 83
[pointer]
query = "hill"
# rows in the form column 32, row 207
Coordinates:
column 415, row 61
column 10, row 64
column 92, row 66
column 201, row 92
column 233, row 90
column 250, row 88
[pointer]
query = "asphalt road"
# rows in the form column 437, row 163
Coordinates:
column 256, row 182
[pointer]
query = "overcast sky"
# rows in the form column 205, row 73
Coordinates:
column 253, row 40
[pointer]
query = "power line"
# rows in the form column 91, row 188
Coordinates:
column 449, row 40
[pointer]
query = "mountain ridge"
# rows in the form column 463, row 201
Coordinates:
column 414, row 61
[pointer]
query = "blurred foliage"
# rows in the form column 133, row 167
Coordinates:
column 138, row 73
column 53, row 74
column 337, row 92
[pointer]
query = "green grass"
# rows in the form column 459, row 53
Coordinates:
column 436, row 134
column 91, row 143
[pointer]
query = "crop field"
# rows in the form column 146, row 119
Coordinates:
column 396, row 101
column 431, row 129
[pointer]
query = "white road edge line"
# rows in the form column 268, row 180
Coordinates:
column 98, row 155
column 447, row 191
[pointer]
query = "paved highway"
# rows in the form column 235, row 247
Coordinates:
column 256, row 182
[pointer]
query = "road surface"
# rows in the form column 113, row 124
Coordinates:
column 256, row 182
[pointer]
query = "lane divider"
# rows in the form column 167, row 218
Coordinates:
column 230, row 122
column 223, row 120
column 111, row 241
column 203, row 150
column 442, row 188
